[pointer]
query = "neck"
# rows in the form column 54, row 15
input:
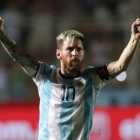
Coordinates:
column 68, row 74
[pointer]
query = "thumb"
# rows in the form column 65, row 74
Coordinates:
column 133, row 28
column 1, row 23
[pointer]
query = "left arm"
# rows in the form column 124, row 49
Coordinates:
column 115, row 68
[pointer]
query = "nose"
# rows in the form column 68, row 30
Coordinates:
column 74, row 52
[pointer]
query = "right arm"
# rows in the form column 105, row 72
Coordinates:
column 28, row 63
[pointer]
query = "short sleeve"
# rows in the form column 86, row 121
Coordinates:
column 100, row 77
column 43, row 72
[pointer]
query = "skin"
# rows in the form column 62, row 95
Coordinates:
column 27, row 62
column 70, row 54
column 122, row 64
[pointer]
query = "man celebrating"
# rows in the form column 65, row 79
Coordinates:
column 67, row 94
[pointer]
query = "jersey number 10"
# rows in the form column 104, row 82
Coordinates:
column 68, row 93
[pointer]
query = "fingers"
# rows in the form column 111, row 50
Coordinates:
column 1, row 20
column 138, row 19
column 136, row 25
column 138, row 28
column 137, row 22
column 1, row 23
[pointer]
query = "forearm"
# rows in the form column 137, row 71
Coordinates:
column 128, row 53
column 28, row 63
column 11, row 47
column 115, row 68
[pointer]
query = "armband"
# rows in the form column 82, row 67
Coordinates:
column 103, row 73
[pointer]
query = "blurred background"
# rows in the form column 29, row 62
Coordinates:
column 106, row 25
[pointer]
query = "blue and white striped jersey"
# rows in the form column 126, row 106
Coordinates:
column 67, row 104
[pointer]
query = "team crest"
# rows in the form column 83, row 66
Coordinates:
column 79, row 82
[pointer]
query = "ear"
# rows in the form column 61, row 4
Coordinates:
column 58, row 54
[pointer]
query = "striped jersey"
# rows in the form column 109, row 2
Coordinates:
column 67, row 104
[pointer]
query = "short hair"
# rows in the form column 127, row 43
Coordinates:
column 69, row 34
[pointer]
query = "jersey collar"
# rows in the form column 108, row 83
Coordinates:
column 62, row 75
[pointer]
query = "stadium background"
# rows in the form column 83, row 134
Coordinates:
column 34, row 24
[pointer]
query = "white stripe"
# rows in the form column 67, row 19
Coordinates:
column 78, row 116
column 54, row 114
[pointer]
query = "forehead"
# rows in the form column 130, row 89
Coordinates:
column 72, row 43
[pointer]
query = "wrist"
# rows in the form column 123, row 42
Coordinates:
column 135, row 36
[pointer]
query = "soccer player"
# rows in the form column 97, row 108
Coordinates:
column 67, row 94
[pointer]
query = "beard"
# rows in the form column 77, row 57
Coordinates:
column 74, row 65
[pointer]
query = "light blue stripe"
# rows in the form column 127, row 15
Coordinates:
column 66, row 120
column 44, row 110
column 66, row 117
column 88, row 108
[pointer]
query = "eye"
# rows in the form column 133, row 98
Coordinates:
column 70, row 49
column 79, row 49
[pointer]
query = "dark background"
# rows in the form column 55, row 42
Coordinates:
column 34, row 24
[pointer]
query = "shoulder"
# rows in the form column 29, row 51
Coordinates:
column 100, row 71
column 91, row 70
column 45, row 69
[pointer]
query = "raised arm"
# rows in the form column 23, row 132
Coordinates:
column 115, row 68
column 28, row 63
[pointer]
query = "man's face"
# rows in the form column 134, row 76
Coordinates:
column 72, row 55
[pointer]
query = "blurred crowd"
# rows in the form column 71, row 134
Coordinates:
column 34, row 24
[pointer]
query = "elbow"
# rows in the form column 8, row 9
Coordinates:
column 119, row 69
column 116, row 68
column 122, row 68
